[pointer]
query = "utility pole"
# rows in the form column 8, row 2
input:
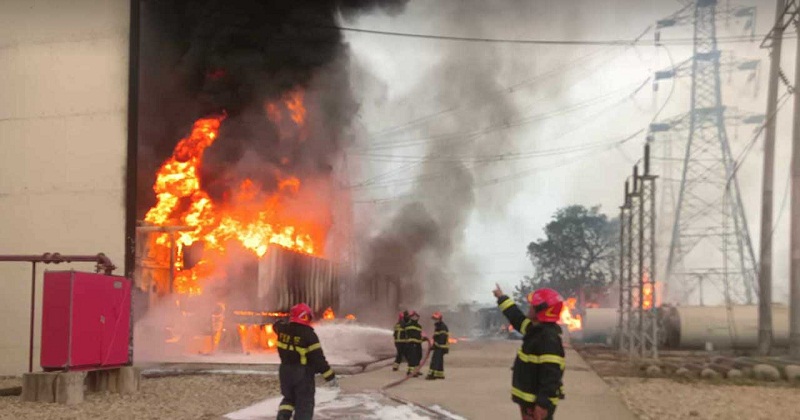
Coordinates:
column 794, row 245
column 767, row 188
column 786, row 16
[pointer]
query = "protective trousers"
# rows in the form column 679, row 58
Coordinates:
column 297, row 387
column 413, row 355
column 527, row 413
column 400, row 357
column 437, row 364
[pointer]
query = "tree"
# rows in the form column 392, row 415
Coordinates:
column 578, row 257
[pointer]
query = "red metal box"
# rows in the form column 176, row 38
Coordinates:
column 85, row 320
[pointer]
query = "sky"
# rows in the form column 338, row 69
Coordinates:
column 575, row 101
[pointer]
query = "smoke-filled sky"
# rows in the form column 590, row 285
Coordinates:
column 437, row 114
column 456, row 153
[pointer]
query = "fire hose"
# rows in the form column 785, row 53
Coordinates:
column 434, row 413
column 413, row 373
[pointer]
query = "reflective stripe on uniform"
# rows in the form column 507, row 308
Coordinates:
column 414, row 328
column 528, row 397
column 539, row 359
column 286, row 407
column 524, row 327
column 506, row 304
column 440, row 332
column 413, row 340
column 303, row 351
column 328, row 373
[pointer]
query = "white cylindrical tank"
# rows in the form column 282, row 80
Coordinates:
column 599, row 324
column 722, row 328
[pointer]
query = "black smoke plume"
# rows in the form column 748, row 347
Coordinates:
column 202, row 57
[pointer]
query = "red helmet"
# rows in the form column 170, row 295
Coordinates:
column 546, row 304
column 413, row 315
column 437, row 315
column 400, row 316
column 301, row 314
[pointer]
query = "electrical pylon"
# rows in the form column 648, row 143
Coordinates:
column 710, row 238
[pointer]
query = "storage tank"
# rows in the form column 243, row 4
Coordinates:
column 599, row 324
column 693, row 326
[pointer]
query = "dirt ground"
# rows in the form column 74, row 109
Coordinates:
column 176, row 397
column 652, row 399
column 670, row 397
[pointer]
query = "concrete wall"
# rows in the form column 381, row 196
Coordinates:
column 63, row 135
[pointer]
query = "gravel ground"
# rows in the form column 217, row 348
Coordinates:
column 652, row 399
column 179, row 397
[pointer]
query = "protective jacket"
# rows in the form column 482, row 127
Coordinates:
column 441, row 337
column 413, row 347
column 299, row 345
column 539, row 366
column 399, row 333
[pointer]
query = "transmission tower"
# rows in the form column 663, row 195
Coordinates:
column 710, row 238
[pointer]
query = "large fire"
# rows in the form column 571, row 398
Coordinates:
column 573, row 323
column 252, row 216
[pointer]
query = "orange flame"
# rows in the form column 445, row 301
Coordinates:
column 350, row 317
column 293, row 106
column 328, row 314
column 648, row 288
column 573, row 323
column 255, row 337
column 252, row 218
column 452, row 340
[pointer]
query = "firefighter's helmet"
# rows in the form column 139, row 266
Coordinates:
column 546, row 304
column 301, row 314
column 413, row 315
column 400, row 317
column 437, row 316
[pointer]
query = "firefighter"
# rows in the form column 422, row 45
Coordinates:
column 301, row 358
column 399, row 340
column 539, row 366
column 441, row 346
column 413, row 343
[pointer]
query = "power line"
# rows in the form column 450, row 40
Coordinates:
column 516, row 175
column 500, row 126
column 435, row 176
column 608, row 42
column 393, row 130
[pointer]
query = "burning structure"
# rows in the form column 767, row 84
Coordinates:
column 243, row 216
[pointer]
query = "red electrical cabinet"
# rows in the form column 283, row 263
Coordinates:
column 85, row 320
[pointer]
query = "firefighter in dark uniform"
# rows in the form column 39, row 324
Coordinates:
column 399, row 340
column 301, row 358
column 539, row 366
column 413, row 342
column 441, row 346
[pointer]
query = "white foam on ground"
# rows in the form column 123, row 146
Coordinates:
column 331, row 405
column 438, row 409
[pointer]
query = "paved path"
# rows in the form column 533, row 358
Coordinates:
column 479, row 380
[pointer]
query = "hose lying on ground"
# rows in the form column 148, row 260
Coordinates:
column 421, row 364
